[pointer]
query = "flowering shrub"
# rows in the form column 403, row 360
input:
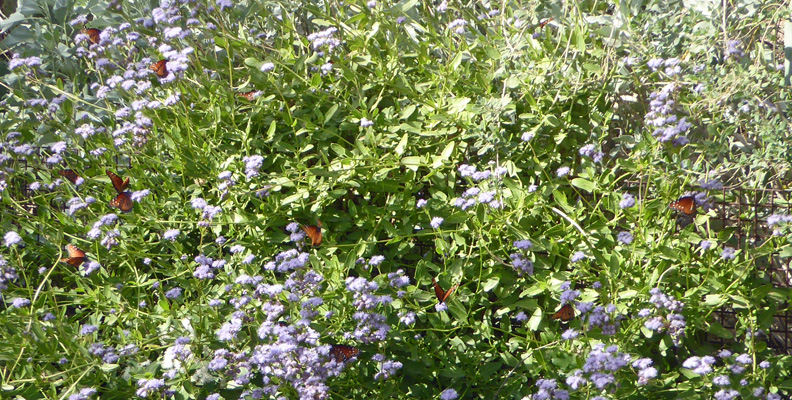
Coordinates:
column 282, row 200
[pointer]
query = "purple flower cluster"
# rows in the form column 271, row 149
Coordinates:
column 83, row 394
column 519, row 259
column 667, row 126
column 606, row 318
column 487, row 191
column 591, row 152
column 252, row 165
column 207, row 212
column 667, row 316
column 8, row 274
column 371, row 326
column 324, row 41
column 779, row 223
column 627, row 201
column 388, row 368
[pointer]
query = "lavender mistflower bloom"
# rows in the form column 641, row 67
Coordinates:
column 562, row 172
column 173, row 293
column 579, row 255
column 89, row 267
column 407, row 318
column 625, row 237
column 139, row 195
column 440, row 307
column 654, row 63
column 421, row 203
column 12, row 238
column 448, row 394
column 569, row 334
column 587, row 150
column 521, row 316
column 400, row 20
column 365, row 123
column 523, row 244
column 436, row 221
column 627, row 201
column 376, row 260
column 527, row 136
column 710, row 184
column 225, row 4
column 266, row 67
column 728, row 253
column 88, row 329
column 252, row 165
column 19, row 302
column 705, row 244
column 171, row 234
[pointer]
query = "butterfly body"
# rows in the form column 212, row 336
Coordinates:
column 441, row 294
column 70, row 175
column 342, row 353
column 251, row 95
column 545, row 22
column 160, row 68
column 93, row 34
column 314, row 233
column 565, row 313
column 76, row 256
column 122, row 202
column 124, row 199
column 685, row 204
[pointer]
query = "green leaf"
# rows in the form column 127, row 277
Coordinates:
column 584, row 184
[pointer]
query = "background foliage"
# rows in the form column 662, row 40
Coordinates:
column 428, row 138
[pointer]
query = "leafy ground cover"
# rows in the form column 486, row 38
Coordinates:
column 412, row 199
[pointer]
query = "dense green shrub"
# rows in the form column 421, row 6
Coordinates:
column 514, row 199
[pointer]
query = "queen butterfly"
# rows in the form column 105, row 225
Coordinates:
column 76, row 256
column 93, row 34
column 545, row 22
column 251, row 95
column 160, row 68
column 123, row 202
column 314, row 233
column 441, row 294
column 70, row 175
column 119, row 184
column 685, row 204
column 565, row 314
column 342, row 352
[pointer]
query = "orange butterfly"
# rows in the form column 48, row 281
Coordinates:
column 93, row 34
column 441, row 294
column 124, row 199
column 314, row 233
column 123, row 202
column 251, row 95
column 119, row 184
column 342, row 352
column 69, row 174
column 160, row 68
column 76, row 256
column 545, row 22
column 565, row 314
column 685, row 204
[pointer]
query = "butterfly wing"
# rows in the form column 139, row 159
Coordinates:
column 314, row 233
column 342, row 352
column 119, row 184
column 565, row 314
column 69, row 174
column 441, row 294
column 93, row 34
column 160, row 68
column 685, row 204
column 251, row 95
column 123, row 202
column 76, row 256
